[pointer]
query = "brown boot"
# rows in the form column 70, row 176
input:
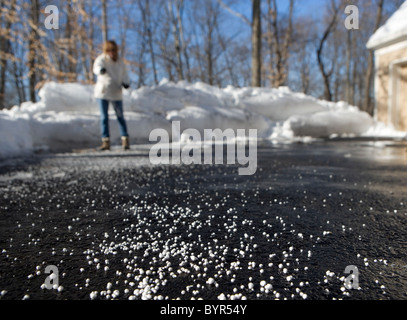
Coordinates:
column 125, row 143
column 105, row 145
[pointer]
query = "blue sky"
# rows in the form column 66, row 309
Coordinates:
column 312, row 7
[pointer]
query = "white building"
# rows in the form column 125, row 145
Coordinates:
column 389, row 43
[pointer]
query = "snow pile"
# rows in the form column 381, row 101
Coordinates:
column 67, row 116
column 395, row 28
column 15, row 134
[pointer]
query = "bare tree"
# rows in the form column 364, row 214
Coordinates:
column 148, row 32
column 279, row 42
column 104, row 21
column 174, row 8
column 209, row 45
column 303, row 73
column 86, row 39
column 256, row 38
column 329, row 29
column 237, row 14
column 225, row 44
column 256, row 43
column 184, row 46
column 33, row 40
column 5, row 44
column 71, row 36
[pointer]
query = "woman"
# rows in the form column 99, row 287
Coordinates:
column 111, row 75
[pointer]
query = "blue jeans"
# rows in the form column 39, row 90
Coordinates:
column 104, row 112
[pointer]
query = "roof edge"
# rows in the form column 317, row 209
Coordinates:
column 375, row 45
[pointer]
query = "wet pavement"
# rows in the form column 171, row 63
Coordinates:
column 114, row 226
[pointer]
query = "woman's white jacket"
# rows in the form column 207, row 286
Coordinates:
column 109, row 85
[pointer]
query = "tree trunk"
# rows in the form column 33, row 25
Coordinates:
column 180, row 6
column 72, row 51
column 32, row 41
column 177, row 42
column 256, row 44
column 279, row 50
column 150, row 40
column 104, row 21
column 287, row 45
column 326, row 75
column 209, row 58
column 5, row 46
column 90, row 43
column 348, row 61
column 18, row 76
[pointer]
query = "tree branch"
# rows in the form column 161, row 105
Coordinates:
column 237, row 14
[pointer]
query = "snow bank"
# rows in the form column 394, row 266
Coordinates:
column 15, row 135
column 69, row 97
column 67, row 116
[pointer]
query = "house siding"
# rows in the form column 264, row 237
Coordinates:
column 391, row 86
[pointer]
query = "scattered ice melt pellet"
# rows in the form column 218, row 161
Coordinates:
column 222, row 296
column 268, row 287
column 115, row 294
column 303, row 295
column 93, row 295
